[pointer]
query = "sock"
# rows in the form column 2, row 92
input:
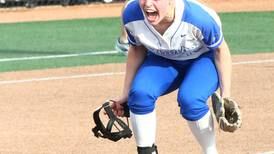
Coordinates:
column 203, row 130
column 144, row 128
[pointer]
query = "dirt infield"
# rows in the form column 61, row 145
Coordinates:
column 50, row 115
column 49, row 111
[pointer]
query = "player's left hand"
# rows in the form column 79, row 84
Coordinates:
column 227, row 113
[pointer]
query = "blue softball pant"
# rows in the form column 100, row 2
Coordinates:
column 196, row 80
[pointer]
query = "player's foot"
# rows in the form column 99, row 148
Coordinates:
column 121, row 47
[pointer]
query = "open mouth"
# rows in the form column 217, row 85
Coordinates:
column 151, row 15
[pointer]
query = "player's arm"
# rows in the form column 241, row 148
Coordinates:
column 224, row 68
column 136, row 56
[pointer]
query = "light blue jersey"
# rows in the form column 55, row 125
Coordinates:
column 182, row 58
column 196, row 30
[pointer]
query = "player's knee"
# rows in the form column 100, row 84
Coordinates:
column 148, row 150
column 141, row 101
column 192, row 106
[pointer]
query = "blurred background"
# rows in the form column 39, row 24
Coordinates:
column 36, row 3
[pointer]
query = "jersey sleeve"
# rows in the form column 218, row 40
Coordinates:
column 131, row 39
column 207, row 21
column 212, row 33
column 131, row 14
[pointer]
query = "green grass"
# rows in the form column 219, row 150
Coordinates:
column 58, row 37
column 245, row 33
column 63, row 62
column 249, row 32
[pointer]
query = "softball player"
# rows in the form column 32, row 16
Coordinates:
column 174, row 44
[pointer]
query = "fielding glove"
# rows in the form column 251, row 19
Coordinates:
column 227, row 113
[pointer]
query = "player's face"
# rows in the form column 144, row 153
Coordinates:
column 155, row 10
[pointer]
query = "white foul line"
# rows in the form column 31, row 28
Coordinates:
column 254, row 62
column 5, row 82
column 104, row 53
column 58, row 56
column 60, row 78
column 269, row 152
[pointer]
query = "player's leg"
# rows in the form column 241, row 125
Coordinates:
column 152, row 80
column 200, row 81
column 144, row 130
column 121, row 44
column 203, row 130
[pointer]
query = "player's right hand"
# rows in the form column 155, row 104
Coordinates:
column 118, row 107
